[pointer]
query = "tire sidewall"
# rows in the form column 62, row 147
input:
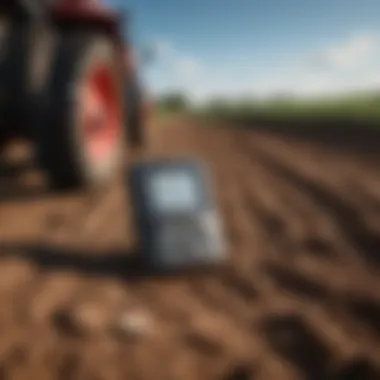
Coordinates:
column 99, row 51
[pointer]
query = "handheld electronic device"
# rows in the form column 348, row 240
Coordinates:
column 176, row 214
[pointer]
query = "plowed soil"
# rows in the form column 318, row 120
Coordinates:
column 299, row 299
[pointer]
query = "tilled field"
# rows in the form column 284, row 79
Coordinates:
column 299, row 300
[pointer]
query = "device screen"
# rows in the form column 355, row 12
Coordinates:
column 173, row 192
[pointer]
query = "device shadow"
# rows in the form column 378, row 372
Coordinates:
column 126, row 265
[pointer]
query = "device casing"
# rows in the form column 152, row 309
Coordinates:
column 177, row 240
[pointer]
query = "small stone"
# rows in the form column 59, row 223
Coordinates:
column 134, row 324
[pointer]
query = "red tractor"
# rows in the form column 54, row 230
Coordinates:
column 68, row 84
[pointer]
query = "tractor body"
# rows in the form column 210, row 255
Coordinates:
column 67, row 83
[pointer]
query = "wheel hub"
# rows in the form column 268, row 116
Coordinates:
column 101, row 114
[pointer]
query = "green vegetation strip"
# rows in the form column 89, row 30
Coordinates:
column 352, row 111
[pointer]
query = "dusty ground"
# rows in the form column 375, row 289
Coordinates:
column 299, row 300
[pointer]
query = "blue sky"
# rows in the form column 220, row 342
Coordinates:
column 259, row 47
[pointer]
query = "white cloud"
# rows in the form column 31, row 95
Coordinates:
column 358, row 51
column 351, row 65
column 187, row 67
column 173, row 68
column 174, row 59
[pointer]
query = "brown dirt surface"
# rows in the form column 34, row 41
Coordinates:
column 299, row 299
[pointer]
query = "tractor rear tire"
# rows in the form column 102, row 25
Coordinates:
column 2, row 146
column 135, row 124
column 4, row 42
column 80, row 130
column 28, row 55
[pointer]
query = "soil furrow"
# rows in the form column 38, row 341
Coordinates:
column 298, row 299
